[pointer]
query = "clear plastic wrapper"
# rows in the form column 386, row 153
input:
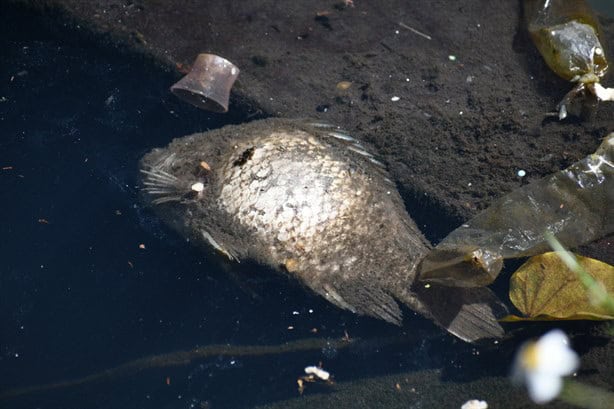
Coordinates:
column 575, row 204
column 568, row 36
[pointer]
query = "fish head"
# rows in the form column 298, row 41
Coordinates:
column 171, row 178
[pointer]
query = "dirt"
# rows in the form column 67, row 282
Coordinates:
column 473, row 99
column 463, row 126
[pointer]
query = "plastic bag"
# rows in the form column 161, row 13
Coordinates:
column 568, row 36
column 576, row 205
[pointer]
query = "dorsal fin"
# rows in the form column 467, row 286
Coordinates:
column 343, row 138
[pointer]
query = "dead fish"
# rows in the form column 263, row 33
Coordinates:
column 310, row 200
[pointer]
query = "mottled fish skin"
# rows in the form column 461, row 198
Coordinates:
column 303, row 198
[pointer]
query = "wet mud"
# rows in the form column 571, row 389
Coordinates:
column 471, row 100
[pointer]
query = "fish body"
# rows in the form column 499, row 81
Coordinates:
column 304, row 198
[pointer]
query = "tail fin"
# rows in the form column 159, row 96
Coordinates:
column 468, row 313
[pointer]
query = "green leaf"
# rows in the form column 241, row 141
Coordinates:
column 545, row 289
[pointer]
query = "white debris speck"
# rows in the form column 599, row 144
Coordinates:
column 295, row 313
column 310, row 311
column 319, row 372
column 604, row 94
column 396, row 31
column 469, row 78
column 452, row 57
column 395, row 99
column 198, row 187
column 521, row 173
column 475, row 404
column 469, row 184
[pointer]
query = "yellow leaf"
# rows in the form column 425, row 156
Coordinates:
column 545, row 289
column 575, row 317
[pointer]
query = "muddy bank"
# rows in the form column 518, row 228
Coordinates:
column 463, row 125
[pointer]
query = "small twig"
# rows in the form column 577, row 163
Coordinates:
column 413, row 30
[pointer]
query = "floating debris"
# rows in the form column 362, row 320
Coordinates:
column 343, row 85
column 318, row 372
column 568, row 36
column 313, row 374
column 475, row 404
column 575, row 204
column 208, row 84
column 544, row 288
column 413, row 30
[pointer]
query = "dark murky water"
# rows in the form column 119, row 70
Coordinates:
column 78, row 294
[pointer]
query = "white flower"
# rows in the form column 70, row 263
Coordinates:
column 541, row 364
